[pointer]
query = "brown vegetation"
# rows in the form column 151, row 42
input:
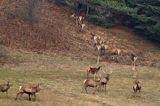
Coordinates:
column 44, row 27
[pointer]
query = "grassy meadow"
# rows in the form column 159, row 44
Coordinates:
column 61, row 78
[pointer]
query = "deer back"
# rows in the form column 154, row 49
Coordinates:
column 30, row 88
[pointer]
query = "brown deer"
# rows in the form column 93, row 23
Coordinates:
column 137, row 87
column 104, row 47
column 104, row 81
column 115, row 51
column 82, row 25
column 93, row 71
column 90, row 83
column 96, row 39
column 133, row 59
column 28, row 89
column 5, row 87
column 78, row 18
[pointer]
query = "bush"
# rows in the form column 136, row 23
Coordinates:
column 141, row 15
column 105, row 22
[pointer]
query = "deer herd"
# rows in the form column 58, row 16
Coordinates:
column 102, row 47
column 79, row 19
column 97, row 82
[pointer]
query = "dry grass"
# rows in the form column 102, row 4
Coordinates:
column 54, row 30
column 61, row 78
column 61, row 75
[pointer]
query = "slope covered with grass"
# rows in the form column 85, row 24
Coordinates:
column 61, row 78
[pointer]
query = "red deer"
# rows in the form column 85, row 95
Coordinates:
column 115, row 51
column 82, row 26
column 95, row 38
column 137, row 86
column 133, row 59
column 104, row 47
column 28, row 89
column 104, row 81
column 78, row 18
column 92, row 70
column 101, row 48
column 90, row 83
column 5, row 87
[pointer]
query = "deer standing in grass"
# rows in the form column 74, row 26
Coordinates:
column 115, row 51
column 104, row 81
column 96, row 84
column 90, row 83
column 28, row 89
column 133, row 59
column 93, row 71
column 96, row 39
column 5, row 87
column 137, row 86
column 133, row 65
column 78, row 18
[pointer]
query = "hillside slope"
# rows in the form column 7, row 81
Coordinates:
column 47, row 48
column 46, row 28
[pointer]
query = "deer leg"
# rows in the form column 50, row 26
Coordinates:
column 85, row 89
column 87, row 75
column 101, row 88
column 7, row 93
column 77, row 21
column 17, row 96
column 139, row 90
column 29, row 95
column 20, row 93
column 132, row 64
column 82, row 90
column 98, row 59
column 105, row 89
column 34, row 96
column 95, row 76
column 95, row 88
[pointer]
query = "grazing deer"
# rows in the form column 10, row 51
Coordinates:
column 137, row 86
column 5, row 87
column 28, row 89
column 92, row 70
